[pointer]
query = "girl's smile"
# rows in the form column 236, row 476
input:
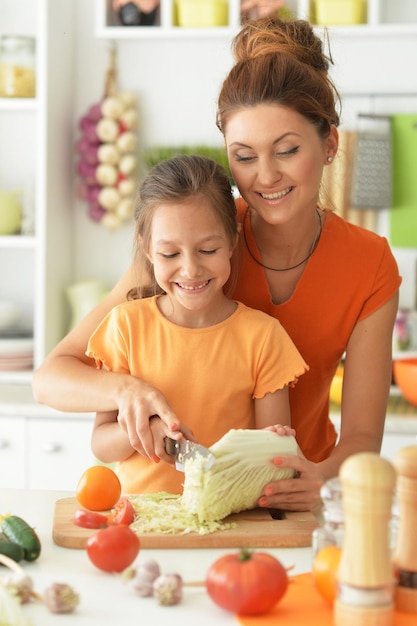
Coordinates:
column 190, row 252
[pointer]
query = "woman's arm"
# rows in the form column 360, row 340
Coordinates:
column 367, row 380
column 69, row 381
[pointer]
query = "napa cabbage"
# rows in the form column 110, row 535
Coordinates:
column 243, row 466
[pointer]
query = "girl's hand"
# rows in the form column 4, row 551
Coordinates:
column 138, row 402
column 281, row 430
column 294, row 494
column 159, row 434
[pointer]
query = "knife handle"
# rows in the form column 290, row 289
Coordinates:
column 171, row 446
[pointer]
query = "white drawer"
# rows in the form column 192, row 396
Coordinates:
column 58, row 452
column 12, row 452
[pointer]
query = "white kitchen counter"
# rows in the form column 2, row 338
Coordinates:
column 17, row 399
column 105, row 599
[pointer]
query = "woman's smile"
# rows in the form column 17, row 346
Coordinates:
column 278, row 195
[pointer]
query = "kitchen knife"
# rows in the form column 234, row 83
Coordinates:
column 185, row 449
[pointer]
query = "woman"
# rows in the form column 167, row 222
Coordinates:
column 333, row 286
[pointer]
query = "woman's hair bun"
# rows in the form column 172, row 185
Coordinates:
column 271, row 36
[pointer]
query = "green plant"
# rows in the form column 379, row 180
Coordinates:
column 153, row 155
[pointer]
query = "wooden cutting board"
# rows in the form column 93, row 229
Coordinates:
column 255, row 529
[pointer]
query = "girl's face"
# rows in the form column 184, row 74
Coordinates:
column 190, row 252
column 277, row 158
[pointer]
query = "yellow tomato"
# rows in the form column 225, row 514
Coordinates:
column 325, row 566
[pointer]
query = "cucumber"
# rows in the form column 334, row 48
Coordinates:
column 18, row 531
column 12, row 550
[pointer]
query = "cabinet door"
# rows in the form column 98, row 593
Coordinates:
column 58, row 452
column 12, row 452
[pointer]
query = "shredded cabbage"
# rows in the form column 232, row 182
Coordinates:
column 164, row 513
column 234, row 482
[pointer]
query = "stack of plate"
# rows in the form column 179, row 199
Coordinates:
column 16, row 353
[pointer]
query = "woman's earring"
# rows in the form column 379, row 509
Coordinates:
column 329, row 159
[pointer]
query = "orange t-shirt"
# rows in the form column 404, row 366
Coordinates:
column 350, row 275
column 210, row 376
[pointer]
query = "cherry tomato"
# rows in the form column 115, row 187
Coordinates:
column 325, row 566
column 247, row 583
column 99, row 488
column 90, row 519
column 122, row 513
column 114, row 548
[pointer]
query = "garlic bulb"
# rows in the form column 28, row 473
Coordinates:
column 112, row 108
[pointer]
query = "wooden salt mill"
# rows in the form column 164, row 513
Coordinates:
column 405, row 552
column 365, row 576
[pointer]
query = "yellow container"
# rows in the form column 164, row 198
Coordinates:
column 336, row 386
column 340, row 12
column 202, row 13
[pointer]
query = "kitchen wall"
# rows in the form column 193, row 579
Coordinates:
column 176, row 83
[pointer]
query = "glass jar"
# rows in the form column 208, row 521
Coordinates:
column 331, row 522
column 330, row 532
column 17, row 67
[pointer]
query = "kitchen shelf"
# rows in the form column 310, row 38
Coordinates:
column 18, row 241
column 23, row 377
column 382, row 19
column 35, row 134
column 18, row 104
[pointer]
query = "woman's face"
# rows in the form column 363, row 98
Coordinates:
column 277, row 158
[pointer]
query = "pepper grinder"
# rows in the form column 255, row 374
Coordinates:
column 405, row 552
column 365, row 575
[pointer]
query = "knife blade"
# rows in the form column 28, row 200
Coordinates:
column 185, row 449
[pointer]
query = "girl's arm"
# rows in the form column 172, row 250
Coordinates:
column 273, row 409
column 367, row 380
column 272, row 412
column 68, row 381
column 109, row 443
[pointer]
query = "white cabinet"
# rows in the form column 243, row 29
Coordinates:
column 382, row 16
column 36, row 137
column 58, row 452
column 44, row 453
column 12, row 452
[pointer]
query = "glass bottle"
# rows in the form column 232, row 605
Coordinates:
column 17, row 67
column 330, row 532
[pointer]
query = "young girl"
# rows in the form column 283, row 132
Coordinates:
column 220, row 364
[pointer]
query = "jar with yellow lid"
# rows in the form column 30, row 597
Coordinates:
column 17, row 67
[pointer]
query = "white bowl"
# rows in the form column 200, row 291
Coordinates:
column 9, row 315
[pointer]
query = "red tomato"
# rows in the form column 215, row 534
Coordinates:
column 99, row 488
column 247, row 583
column 90, row 519
column 122, row 513
column 114, row 548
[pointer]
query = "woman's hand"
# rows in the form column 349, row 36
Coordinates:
column 138, row 402
column 294, row 494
